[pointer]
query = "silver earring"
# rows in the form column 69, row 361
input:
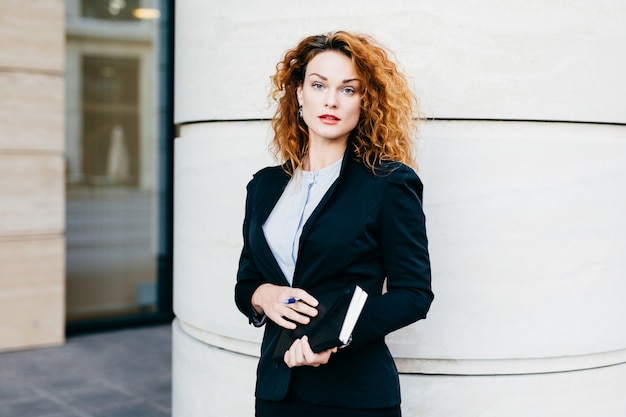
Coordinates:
column 300, row 112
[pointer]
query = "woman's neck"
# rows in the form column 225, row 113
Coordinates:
column 320, row 156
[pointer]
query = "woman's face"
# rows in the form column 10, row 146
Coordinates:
column 330, row 97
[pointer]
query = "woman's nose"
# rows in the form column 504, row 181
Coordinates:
column 331, row 98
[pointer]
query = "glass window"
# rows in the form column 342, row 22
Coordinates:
column 118, row 161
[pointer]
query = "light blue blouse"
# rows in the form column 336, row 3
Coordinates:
column 283, row 227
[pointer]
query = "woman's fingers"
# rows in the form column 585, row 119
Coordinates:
column 289, row 316
column 282, row 322
column 286, row 311
column 299, row 312
column 305, row 297
column 301, row 354
column 291, row 357
column 285, row 306
column 309, row 356
column 303, row 308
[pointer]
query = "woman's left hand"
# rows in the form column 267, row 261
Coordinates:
column 300, row 354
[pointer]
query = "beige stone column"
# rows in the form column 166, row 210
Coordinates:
column 32, row 197
column 523, row 165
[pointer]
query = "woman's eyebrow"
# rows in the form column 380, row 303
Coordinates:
column 319, row 76
column 326, row 79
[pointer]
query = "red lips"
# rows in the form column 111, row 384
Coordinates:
column 329, row 118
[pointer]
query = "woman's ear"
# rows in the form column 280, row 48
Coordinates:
column 299, row 94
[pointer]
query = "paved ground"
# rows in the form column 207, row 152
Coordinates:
column 125, row 373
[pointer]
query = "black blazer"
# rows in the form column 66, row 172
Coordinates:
column 368, row 227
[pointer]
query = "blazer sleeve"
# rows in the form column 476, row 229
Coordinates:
column 404, row 250
column 248, row 276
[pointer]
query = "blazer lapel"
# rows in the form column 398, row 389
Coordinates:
column 320, row 207
column 271, row 193
column 311, row 220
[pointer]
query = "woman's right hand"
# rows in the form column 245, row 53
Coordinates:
column 269, row 299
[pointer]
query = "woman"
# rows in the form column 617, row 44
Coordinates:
column 343, row 209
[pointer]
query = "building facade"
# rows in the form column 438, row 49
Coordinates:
column 32, row 214
column 85, row 193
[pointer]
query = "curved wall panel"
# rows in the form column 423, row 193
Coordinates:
column 214, row 162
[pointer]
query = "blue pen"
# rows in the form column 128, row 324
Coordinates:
column 291, row 300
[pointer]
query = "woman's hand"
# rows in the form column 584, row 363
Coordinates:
column 269, row 299
column 300, row 354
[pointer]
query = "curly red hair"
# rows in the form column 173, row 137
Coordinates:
column 388, row 106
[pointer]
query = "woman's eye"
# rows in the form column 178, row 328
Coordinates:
column 317, row 86
column 349, row 90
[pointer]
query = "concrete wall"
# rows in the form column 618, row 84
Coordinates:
column 524, row 178
column 32, row 248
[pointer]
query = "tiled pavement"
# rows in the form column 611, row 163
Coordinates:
column 124, row 373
